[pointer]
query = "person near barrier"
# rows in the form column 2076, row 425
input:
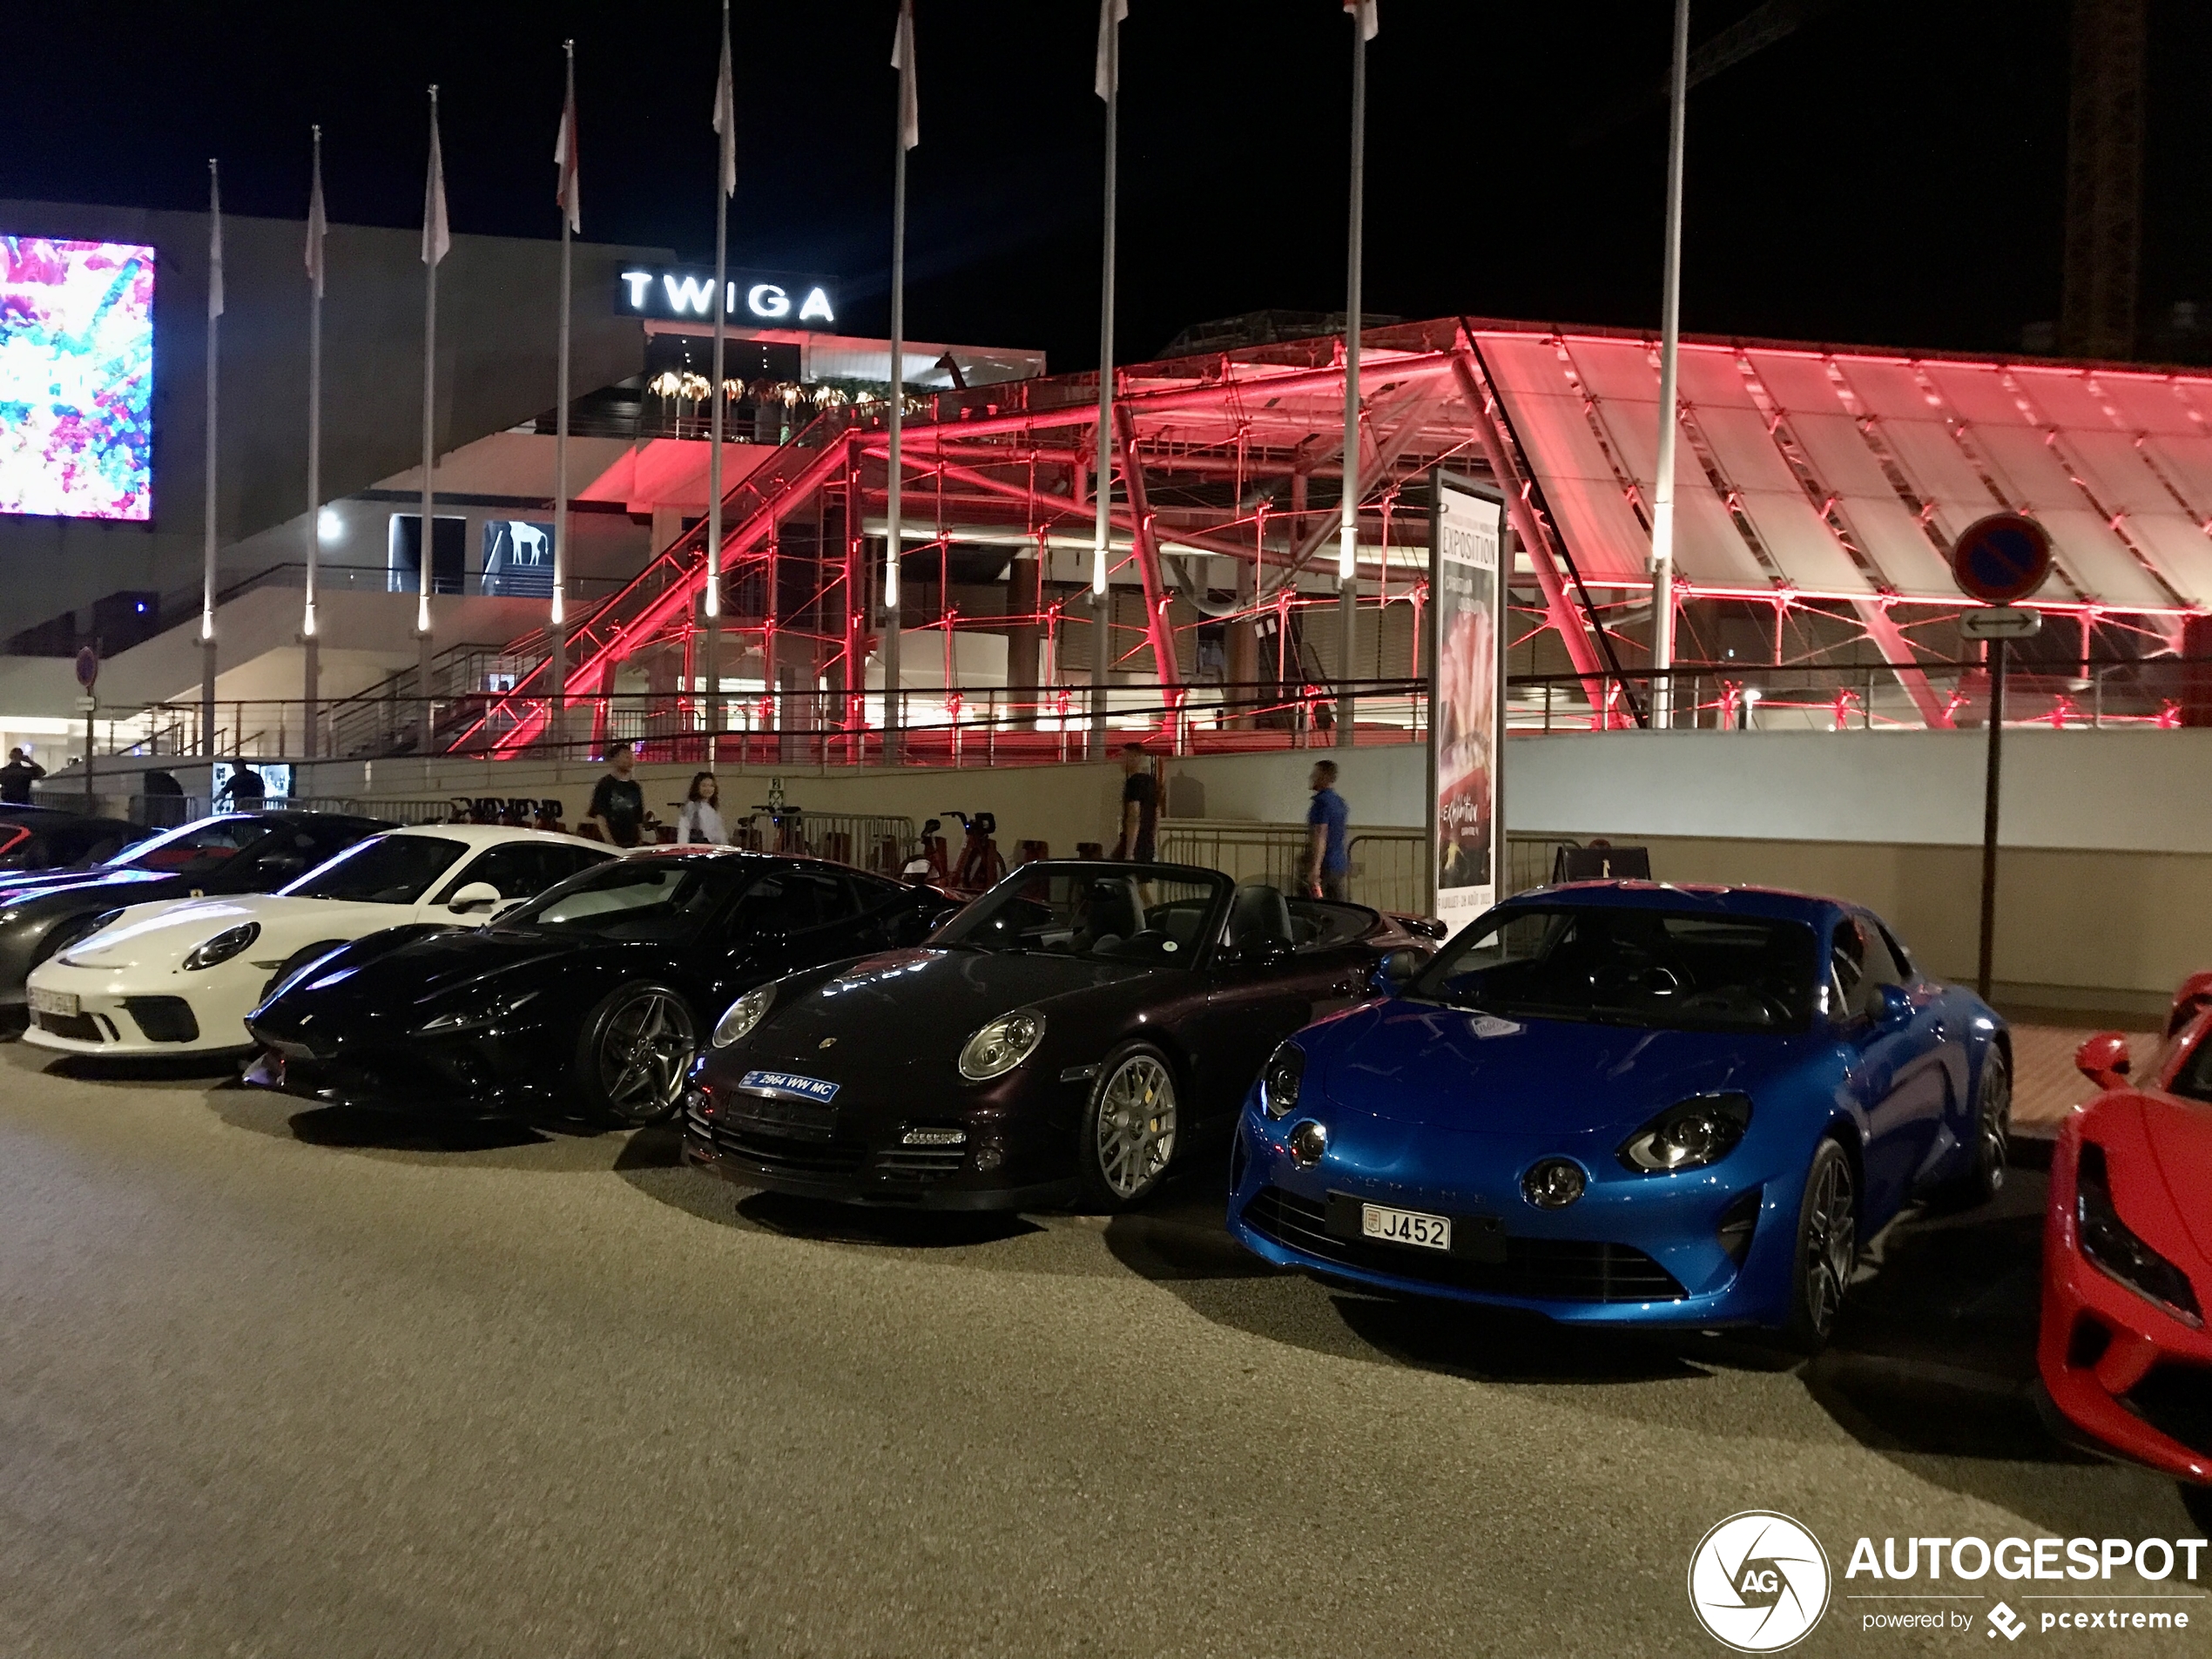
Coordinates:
column 701, row 818
column 16, row 778
column 1140, row 806
column 617, row 809
column 245, row 789
column 1328, row 863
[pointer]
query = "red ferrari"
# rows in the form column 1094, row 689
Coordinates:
column 2127, row 1253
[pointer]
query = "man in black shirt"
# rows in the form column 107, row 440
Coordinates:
column 617, row 808
column 16, row 778
column 1140, row 805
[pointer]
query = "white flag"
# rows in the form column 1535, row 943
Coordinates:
column 214, row 240
column 1370, row 25
column 564, row 158
column 437, row 239
column 726, row 114
column 317, row 226
column 902, row 59
column 1110, row 13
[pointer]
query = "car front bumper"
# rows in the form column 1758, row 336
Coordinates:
column 120, row 1016
column 1629, row 1254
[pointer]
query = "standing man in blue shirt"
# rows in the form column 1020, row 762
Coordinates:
column 1328, row 866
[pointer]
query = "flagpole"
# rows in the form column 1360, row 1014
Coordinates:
column 1662, row 489
column 893, row 543
column 556, row 621
column 1106, row 83
column 725, row 120
column 432, row 234
column 1348, row 528
column 208, row 572
column 309, row 644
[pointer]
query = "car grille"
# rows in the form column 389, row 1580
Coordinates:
column 163, row 1018
column 804, row 1120
column 927, row 1162
column 77, row 1028
column 777, row 1153
column 2176, row 1400
column 1552, row 1270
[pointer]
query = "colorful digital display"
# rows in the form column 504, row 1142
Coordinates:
column 76, row 378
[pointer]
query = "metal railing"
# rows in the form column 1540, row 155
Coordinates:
column 1389, row 867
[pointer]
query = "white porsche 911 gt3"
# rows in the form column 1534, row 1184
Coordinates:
column 181, row 976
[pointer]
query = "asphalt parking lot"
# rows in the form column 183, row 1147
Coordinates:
column 291, row 1385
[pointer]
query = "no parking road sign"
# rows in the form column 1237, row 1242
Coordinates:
column 2001, row 559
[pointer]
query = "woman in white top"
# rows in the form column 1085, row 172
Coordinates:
column 700, row 821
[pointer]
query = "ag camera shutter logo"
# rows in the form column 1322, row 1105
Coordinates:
column 1758, row 1582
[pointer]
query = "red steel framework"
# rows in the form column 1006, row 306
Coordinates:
column 1822, row 484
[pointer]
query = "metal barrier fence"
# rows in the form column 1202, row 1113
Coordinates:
column 1389, row 867
column 872, row 841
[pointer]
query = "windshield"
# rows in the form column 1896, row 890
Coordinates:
column 193, row 849
column 1110, row 914
column 1628, row 966
column 658, row 899
column 385, row 869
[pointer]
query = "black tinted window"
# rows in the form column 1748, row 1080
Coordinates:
column 519, row 870
column 388, row 869
column 665, row 899
column 787, row 901
column 1861, row 964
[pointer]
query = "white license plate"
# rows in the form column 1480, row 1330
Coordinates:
column 63, row 1002
column 1406, row 1227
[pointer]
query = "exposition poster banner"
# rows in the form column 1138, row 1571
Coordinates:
column 1467, row 707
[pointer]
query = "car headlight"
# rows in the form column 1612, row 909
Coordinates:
column 228, row 943
column 738, row 1022
column 2107, row 1243
column 1279, row 1080
column 484, row 1011
column 1689, row 1135
column 1001, row 1045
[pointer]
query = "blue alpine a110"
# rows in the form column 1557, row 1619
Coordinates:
column 1627, row 1103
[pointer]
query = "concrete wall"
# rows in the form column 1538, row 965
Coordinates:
column 496, row 335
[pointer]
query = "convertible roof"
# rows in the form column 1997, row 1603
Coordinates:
column 1774, row 903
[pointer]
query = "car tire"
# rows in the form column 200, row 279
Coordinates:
column 634, row 1054
column 1984, row 1176
column 1827, row 1248
column 1130, row 1129
column 298, row 959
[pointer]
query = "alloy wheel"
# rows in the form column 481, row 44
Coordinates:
column 1136, row 1117
column 1831, row 1244
column 647, row 1049
column 1996, row 1118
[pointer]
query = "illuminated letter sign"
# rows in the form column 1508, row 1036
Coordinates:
column 687, row 294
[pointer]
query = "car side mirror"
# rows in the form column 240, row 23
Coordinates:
column 286, row 865
column 474, row 896
column 1892, row 1008
column 2104, row 1059
column 1394, row 972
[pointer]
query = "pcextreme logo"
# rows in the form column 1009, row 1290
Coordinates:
column 1758, row 1582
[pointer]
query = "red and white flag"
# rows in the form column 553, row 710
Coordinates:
column 726, row 111
column 565, row 154
column 902, row 59
column 1370, row 25
column 318, row 227
column 1104, row 77
column 437, row 238
column 214, row 240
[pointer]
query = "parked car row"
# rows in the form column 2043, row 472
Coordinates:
column 1616, row 1104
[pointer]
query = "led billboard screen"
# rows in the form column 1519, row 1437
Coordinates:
column 76, row 378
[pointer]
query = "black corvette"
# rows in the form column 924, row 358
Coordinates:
column 44, row 911
column 1062, row 1039
column 585, row 1001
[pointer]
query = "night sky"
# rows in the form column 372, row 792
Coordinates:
column 1892, row 172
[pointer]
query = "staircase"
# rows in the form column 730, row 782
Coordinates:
column 656, row 595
